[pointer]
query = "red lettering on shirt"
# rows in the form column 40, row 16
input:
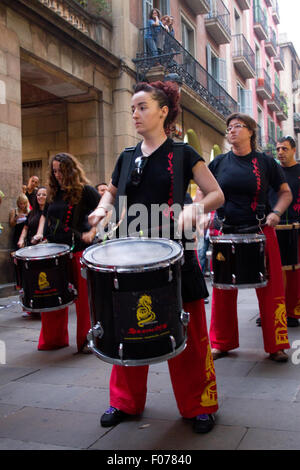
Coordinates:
column 258, row 184
column 168, row 212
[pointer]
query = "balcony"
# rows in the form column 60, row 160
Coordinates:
column 282, row 114
column 263, row 85
column 244, row 4
column 199, row 7
column 243, row 57
column 172, row 57
column 268, row 3
column 217, row 23
column 260, row 23
column 271, row 44
column 275, row 12
column 274, row 104
column 279, row 60
column 83, row 18
column 297, row 123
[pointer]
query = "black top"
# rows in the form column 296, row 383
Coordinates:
column 32, row 222
column 156, row 188
column 245, row 181
column 31, row 197
column 65, row 222
column 292, row 175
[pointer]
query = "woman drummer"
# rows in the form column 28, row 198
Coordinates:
column 245, row 177
column 154, row 108
column 71, row 200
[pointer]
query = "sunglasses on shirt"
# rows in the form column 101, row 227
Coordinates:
column 139, row 166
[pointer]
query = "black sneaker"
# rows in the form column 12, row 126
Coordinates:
column 203, row 423
column 112, row 416
column 292, row 321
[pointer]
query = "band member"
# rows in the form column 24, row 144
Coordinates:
column 29, row 235
column 72, row 199
column 245, row 176
column 156, row 181
column 286, row 151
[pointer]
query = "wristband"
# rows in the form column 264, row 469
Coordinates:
column 277, row 213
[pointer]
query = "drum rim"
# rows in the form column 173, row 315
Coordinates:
column 38, row 258
column 135, row 268
column 238, row 237
column 219, row 285
column 294, row 225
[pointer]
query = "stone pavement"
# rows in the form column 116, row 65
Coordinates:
column 53, row 399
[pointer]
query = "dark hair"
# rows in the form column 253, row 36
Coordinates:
column 289, row 139
column 73, row 176
column 36, row 212
column 250, row 123
column 100, row 184
column 151, row 13
column 166, row 94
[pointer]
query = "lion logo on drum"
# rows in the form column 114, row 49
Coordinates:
column 43, row 281
column 144, row 312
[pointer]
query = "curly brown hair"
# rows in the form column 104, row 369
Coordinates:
column 74, row 178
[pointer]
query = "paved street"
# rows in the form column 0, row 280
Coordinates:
column 53, row 399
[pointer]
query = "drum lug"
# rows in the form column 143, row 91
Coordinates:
column 233, row 249
column 60, row 301
column 116, row 283
column 173, row 342
column 184, row 317
column 233, row 278
column 97, row 330
column 261, row 276
column 121, row 351
column 83, row 273
column 31, row 303
column 56, row 261
column 26, row 265
column 170, row 274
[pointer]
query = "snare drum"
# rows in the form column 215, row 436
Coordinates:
column 288, row 240
column 238, row 261
column 135, row 300
column 44, row 275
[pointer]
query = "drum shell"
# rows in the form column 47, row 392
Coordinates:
column 238, row 261
column 104, row 301
column 60, row 289
column 288, row 237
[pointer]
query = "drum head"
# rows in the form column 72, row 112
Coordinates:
column 132, row 254
column 238, row 238
column 42, row 251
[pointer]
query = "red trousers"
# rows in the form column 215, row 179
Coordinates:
column 54, row 332
column 192, row 374
column 224, row 333
column 292, row 291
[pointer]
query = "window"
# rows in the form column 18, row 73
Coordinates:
column 188, row 37
column 31, row 168
column 244, row 100
column 216, row 67
column 237, row 23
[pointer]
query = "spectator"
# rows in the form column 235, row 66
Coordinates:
column 152, row 31
column 18, row 216
column 31, row 189
column 29, row 235
column 101, row 188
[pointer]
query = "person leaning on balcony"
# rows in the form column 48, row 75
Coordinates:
column 152, row 33
column 155, row 107
column 245, row 176
column 286, row 152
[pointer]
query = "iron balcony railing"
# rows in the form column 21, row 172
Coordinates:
column 272, row 38
column 260, row 17
column 264, row 79
column 221, row 13
column 159, row 48
column 241, row 48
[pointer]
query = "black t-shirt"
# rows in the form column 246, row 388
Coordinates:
column 66, row 221
column 31, row 197
column 32, row 222
column 245, row 182
column 156, row 186
column 292, row 175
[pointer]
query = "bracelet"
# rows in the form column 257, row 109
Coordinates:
column 277, row 213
